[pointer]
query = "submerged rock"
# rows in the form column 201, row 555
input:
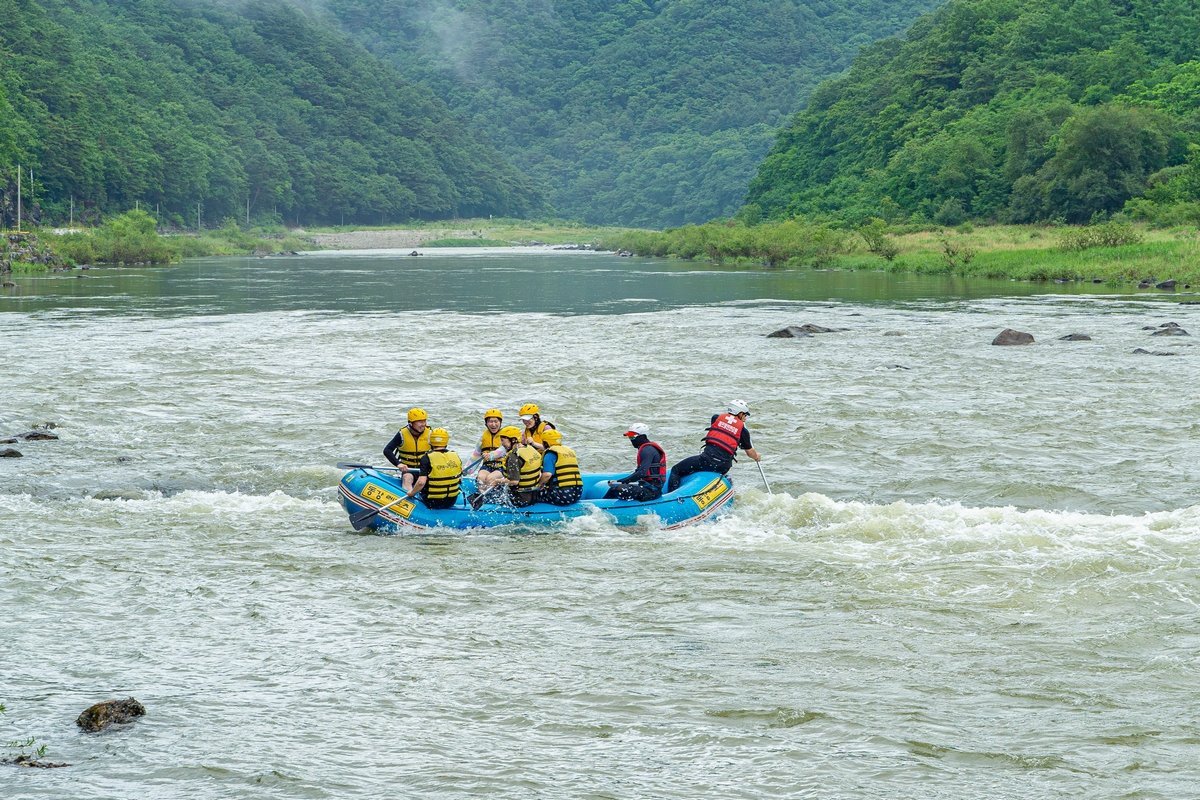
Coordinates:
column 110, row 712
column 1169, row 329
column 1143, row 352
column 799, row 331
column 8, row 452
column 38, row 435
column 30, row 761
column 1075, row 337
column 1165, row 285
column 790, row 332
column 1009, row 337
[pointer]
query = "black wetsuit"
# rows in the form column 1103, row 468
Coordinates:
column 645, row 482
column 710, row 459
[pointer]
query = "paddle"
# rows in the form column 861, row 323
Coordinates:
column 479, row 498
column 361, row 519
column 352, row 465
column 764, row 477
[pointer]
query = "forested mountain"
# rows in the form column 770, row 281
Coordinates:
column 198, row 106
column 642, row 112
column 1015, row 110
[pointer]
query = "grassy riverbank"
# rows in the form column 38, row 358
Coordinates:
column 133, row 238
column 1113, row 252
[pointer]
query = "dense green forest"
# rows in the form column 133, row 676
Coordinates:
column 1004, row 110
column 637, row 112
column 219, row 110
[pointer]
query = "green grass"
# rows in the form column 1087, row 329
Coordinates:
column 1017, row 252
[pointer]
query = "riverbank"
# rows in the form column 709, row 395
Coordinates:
column 1115, row 253
column 132, row 238
column 458, row 233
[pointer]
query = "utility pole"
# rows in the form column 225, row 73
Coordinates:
column 197, row 217
column 247, row 209
column 72, row 223
column 18, row 198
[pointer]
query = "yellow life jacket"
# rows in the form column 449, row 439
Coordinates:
column 536, row 431
column 566, row 469
column 412, row 448
column 487, row 444
column 531, row 468
column 445, row 475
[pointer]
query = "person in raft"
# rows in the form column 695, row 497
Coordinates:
column 522, row 470
column 535, row 426
column 408, row 445
column 490, row 450
column 439, row 473
column 560, row 483
column 646, row 480
column 725, row 434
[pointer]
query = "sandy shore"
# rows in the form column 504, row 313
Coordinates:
column 382, row 240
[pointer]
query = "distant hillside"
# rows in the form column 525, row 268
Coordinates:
column 198, row 107
column 1014, row 110
column 640, row 112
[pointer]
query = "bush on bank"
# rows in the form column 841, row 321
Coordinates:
column 1117, row 252
column 133, row 238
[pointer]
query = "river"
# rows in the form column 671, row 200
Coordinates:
column 976, row 575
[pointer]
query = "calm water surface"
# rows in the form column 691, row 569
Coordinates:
column 976, row 577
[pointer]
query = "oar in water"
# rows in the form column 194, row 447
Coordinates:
column 764, row 477
column 481, row 496
column 361, row 519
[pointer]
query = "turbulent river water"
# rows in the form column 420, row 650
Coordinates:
column 976, row 575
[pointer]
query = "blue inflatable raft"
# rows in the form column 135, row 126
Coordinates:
column 699, row 497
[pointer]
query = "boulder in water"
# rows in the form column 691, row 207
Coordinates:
column 8, row 452
column 799, row 331
column 1165, row 284
column 1009, row 337
column 1075, row 337
column 790, row 332
column 110, row 712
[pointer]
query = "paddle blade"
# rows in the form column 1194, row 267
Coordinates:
column 351, row 465
column 361, row 519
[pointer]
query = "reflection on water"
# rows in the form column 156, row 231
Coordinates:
column 477, row 281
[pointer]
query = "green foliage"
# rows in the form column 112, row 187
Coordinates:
column 1001, row 109
column 955, row 253
column 874, row 233
column 631, row 112
column 27, row 744
column 1109, row 234
column 793, row 243
column 208, row 110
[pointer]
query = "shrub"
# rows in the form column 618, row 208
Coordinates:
column 1109, row 234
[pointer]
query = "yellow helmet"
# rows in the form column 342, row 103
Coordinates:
column 551, row 436
column 510, row 432
column 417, row 414
column 529, row 408
column 493, row 412
column 439, row 437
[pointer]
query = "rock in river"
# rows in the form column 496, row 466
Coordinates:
column 110, row 712
column 1010, row 337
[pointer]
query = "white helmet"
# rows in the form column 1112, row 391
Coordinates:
column 638, row 429
column 738, row 407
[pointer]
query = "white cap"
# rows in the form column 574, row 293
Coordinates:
column 638, row 429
